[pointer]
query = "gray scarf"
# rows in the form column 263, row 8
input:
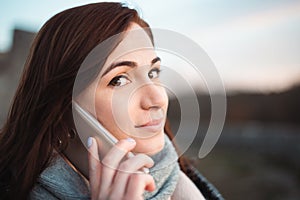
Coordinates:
column 60, row 181
column 165, row 172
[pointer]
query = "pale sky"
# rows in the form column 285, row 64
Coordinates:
column 254, row 44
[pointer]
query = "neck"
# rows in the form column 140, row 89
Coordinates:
column 77, row 155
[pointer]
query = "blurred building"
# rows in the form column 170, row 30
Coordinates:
column 11, row 66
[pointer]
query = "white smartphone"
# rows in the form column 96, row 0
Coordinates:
column 87, row 126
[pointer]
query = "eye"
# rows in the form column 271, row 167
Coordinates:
column 119, row 81
column 154, row 73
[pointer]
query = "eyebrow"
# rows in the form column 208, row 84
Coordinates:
column 126, row 63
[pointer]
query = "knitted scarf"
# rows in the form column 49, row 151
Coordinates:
column 165, row 172
column 60, row 181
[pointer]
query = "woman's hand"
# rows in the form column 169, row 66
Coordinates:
column 115, row 178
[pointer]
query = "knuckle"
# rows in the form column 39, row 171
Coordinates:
column 124, row 166
column 136, row 178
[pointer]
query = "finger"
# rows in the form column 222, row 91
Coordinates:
column 126, row 168
column 94, row 167
column 117, row 152
column 111, row 162
column 138, row 183
column 135, row 163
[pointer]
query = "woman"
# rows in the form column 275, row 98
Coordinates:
column 41, row 154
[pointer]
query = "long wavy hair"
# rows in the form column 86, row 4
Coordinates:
column 38, row 121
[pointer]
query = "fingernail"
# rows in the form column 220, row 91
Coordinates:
column 130, row 140
column 146, row 170
column 89, row 142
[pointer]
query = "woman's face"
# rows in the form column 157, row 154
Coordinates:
column 129, row 100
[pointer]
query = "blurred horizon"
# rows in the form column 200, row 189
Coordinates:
column 235, row 90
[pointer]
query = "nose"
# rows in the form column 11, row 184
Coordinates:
column 153, row 96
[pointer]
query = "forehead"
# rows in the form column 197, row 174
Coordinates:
column 136, row 45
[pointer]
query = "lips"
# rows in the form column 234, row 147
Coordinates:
column 153, row 125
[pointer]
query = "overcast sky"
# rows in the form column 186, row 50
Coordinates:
column 254, row 44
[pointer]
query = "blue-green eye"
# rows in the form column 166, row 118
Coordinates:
column 154, row 73
column 119, row 81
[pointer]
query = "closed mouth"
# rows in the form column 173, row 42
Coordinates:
column 153, row 125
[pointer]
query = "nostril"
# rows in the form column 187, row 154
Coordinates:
column 153, row 96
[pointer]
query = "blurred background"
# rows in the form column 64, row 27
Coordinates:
column 254, row 45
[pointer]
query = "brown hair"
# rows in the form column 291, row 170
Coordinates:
column 38, row 118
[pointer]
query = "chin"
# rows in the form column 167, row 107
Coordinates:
column 151, row 145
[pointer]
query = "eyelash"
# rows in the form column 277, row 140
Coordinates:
column 115, row 81
column 157, row 70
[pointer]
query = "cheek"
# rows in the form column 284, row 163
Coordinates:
column 112, row 113
column 103, row 109
column 165, row 98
